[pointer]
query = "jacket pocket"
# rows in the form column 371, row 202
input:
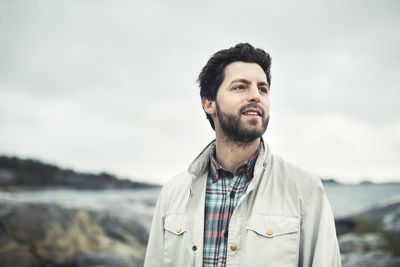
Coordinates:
column 272, row 240
column 175, row 239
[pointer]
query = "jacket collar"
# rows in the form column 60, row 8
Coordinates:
column 200, row 164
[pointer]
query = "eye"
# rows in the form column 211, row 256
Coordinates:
column 263, row 89
column 239, row 87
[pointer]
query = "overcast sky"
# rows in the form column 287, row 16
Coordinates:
column 111, row 85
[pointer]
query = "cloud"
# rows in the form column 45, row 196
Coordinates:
column 97, row 86
column 334, row 145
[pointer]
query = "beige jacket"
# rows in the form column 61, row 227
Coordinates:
column 283, row 219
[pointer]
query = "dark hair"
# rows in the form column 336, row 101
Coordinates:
column 212, row 74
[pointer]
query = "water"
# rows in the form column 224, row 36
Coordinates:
column 344, row 199
column 138, row 203
column 352, row 199
column 94, row 199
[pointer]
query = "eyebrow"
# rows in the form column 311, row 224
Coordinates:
column 247, row 82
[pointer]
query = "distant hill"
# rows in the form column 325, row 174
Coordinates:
column 30, row 173
column 329, row 181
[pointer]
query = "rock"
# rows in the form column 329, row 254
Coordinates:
column 370, row 259
column 13, row 254
column 374, row 240
column 106, row 260
column 363, row 250
column 344, row 225
column 49, row 235
column 125, row 230
column 352, row 242
column 385, row 218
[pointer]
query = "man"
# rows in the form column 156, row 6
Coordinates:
column 239, row 205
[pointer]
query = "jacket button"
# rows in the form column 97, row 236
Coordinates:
column 194, row 248
column 270, row 232
column 233, row 247
column 178, row 230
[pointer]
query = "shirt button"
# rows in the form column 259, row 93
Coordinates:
column 178, row 230
column 233, row 247
column 270, row 232
column 194, row 248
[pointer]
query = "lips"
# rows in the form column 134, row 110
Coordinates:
column 253, row 112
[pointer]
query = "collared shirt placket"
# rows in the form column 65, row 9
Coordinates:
column 224, row 190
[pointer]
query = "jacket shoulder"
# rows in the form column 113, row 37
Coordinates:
column 175, row 190
column 297, row 179
column 179, row 179
column 295, row 173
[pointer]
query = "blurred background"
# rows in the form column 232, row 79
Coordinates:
column 99, row 106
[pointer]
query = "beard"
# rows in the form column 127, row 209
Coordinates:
column 237, row 132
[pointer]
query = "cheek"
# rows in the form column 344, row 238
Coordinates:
column 266, row 105
column 227, row 105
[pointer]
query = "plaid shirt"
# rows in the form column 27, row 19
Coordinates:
column 223, row 192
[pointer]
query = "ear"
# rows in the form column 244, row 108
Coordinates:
column 208, row 105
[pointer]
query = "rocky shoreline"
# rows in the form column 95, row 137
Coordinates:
column 50, row 235
column 371, row 238
column 47, row 235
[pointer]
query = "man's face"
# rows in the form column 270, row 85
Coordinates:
column 241, row 108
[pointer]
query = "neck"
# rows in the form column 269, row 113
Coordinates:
column 231, row 155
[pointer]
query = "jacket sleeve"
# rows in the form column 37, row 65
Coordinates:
column 155, row 245
column 318, row 241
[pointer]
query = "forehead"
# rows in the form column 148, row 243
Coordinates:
column 244, row 70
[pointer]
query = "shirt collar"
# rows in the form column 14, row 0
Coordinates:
column 217, row 171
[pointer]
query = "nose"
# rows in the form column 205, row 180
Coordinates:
column 254, row 94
